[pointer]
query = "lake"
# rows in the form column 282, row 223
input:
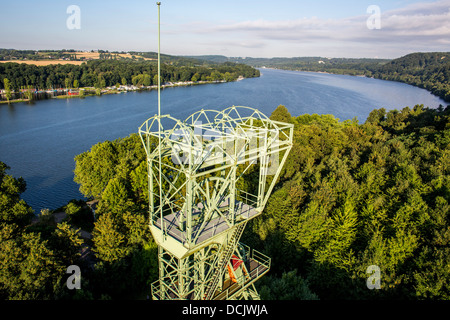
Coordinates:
column 39, row 141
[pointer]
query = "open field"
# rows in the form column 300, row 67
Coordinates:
column 78, row 54
column 44, row 62
column 96, row 55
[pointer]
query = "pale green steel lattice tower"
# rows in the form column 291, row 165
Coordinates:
column 200, row 203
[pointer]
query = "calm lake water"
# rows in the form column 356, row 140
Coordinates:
column 39, row 141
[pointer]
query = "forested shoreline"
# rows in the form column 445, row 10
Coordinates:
column 350, row 196
column 18, row 80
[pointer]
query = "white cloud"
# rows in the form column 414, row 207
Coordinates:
column 417, row 27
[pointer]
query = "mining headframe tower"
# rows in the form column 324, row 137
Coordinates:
column 200, row 202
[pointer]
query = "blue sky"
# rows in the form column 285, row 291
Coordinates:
column 253, row 28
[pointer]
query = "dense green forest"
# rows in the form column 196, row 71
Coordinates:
column 106, row 73
column 430, row 70
column 35, row 255
column 350, row 196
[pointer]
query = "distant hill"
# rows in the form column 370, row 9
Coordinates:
column 430, row 71
column 46, row 57
column 300, row 63
column 414, row 62
column 76, row 57
column 212, row 58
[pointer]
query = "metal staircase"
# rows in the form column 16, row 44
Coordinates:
column 223, row 258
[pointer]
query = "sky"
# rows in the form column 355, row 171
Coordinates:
column 245, row 28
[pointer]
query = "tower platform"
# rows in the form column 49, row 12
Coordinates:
column 212, row 228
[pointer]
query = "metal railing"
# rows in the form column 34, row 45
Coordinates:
column 262, row 261
column 156, row 291
column 159, row 294
column 263, row 265
column 247, row 198
column 258, row 256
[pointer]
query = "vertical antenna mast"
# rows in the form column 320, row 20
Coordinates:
column 159, row 112
column 159, row 61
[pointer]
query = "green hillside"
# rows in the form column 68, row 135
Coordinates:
column 430, row 71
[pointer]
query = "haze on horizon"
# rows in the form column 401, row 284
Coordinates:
column 252, row 28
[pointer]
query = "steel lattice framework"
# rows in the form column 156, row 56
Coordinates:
column 199, row 202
